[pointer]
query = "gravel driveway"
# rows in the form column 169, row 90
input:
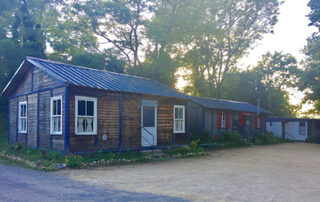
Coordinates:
column 19, row 184
column 287, row 172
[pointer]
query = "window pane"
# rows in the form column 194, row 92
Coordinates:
column 89, row 125
column 54, row 107
column 90, row 108
column 148, row 116
column 58, row 107
column 180, row 113
column 176, row 112
column 81, row 107
column 81, row 125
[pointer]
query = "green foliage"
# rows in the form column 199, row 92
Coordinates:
column 194, row 145
column 310, row 77
column 267, row 81
column 74, row 161
column 18, row 147
column 313, row 139
column 232, row 139
column 181, row 150
column 267, row 139
column 314, row 15
column 203, row 138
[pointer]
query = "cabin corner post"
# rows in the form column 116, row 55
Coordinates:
column 67, row 120
column 8, row 130
column 120, row 121
column 38, row 120
column 188, row 123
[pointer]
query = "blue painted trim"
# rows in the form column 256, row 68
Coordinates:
column 51, row 94
column 188, row 123
column 8, row 135
column 17, row 123
column 66, row 121
column 26, row 135
column 96, row 143
column 32, row 78
column 38, row 138
column 120, row 120
column 38, row 91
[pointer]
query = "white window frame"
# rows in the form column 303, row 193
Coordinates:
column 53, row 116
column 258, row 122
column 19, row 116
column 95, row 113
column 183, row 119
column 223, row 120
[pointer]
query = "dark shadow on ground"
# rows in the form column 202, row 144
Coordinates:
column 19, row 184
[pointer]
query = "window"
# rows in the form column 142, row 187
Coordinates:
column 148, row 116
column 86, row 115
column 23, row 117
column 56, row 115
column 179, row 119
column 223, row 120
column 302, row 128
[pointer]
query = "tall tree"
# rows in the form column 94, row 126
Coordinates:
column 121, row 23
column 310, row 77
column 225, row 33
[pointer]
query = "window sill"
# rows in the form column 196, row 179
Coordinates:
column 86, row 134
column 56, row 133
column 179, row 132
column 22, row 132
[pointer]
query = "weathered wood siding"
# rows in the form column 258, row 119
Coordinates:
column 38, row 110
column 109, row 120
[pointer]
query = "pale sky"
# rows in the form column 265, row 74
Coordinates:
column 290, row 33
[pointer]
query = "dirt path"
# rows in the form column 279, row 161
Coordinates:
column 288, row 172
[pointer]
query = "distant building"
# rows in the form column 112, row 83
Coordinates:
column 216, row 116
column 294, row 129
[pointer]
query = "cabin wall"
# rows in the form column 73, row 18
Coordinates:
column 274, row 127
column 108, row 116
column 36, row 87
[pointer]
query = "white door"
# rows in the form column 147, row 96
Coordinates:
column 148, row 123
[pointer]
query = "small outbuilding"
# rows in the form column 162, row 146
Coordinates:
column 74, row 109
column 216, row 116
column 294, row 129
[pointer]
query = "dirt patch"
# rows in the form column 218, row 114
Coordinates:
column 287, row 172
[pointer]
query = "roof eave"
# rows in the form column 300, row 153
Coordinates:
column 4, row 91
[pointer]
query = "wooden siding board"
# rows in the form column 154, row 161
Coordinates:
column 32, row 120
column 108, row 120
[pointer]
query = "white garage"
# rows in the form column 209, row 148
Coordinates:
column 292, row 129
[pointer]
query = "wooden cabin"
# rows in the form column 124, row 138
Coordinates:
column 75, row 109
column 216, row 116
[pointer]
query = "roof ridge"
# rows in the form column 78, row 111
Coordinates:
column 88, row 68
column 223, row 100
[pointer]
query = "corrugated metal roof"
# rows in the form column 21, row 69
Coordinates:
column 105, row 80
column 280, row 119
column 228, row 105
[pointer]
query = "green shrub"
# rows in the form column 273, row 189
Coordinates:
column 181, row 150
column 194, row 144
column 18, row 147
column 313, row 139
column 73, row 161
column 131, row 155
column 267, row 139
column 204, row 138
column 232, row 139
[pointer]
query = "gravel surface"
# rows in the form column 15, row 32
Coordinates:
column 19, row 184
column 287, row 172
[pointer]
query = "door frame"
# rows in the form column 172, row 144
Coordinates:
column 150, row 103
